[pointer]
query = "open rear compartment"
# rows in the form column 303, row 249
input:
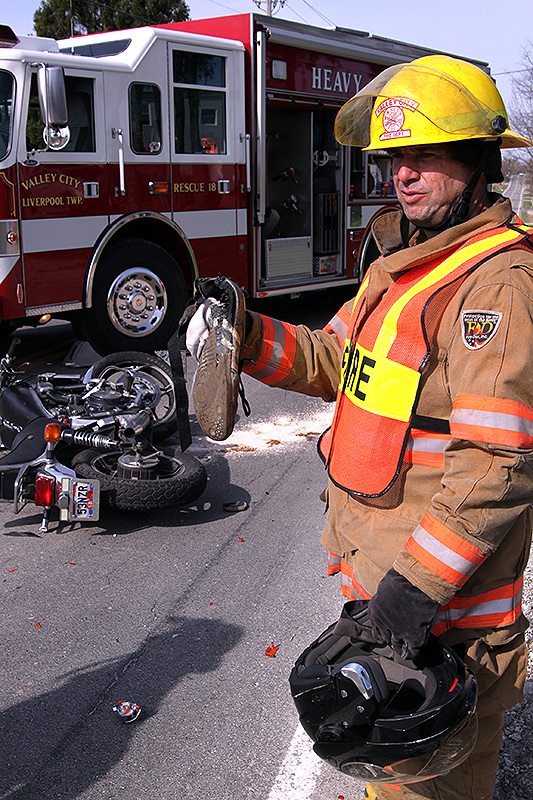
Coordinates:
column 301, row 237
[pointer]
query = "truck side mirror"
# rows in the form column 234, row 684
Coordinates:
column 53, row 102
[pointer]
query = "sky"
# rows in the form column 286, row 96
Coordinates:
column 482, row 29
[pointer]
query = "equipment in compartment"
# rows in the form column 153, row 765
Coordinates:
column 288, row 258
column 326, row 223
column 302, row 231
column 325, row 265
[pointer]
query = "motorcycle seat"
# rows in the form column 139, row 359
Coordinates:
column 27, row 445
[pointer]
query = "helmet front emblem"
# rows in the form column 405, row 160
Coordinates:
column 393, row 118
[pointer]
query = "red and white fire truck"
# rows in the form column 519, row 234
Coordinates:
column 133, row 161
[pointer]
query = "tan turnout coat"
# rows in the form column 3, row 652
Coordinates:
column 476, row 491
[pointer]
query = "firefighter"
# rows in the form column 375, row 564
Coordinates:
column 430, row 452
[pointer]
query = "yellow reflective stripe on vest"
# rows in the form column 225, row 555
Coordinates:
column 389, row 328
column 377, row 384
column 383, row 361
column 362, row 288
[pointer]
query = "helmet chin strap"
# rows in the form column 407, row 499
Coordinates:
column 461, row 208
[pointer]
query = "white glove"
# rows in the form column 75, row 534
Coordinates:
column 199, row 327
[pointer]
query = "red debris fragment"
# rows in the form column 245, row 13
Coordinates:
column 271, row 650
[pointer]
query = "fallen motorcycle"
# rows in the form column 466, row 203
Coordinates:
column 74, row 440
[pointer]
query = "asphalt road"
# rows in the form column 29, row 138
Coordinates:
column 515, row 192
column 174, row 610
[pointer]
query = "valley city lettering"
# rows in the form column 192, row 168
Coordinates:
column 51, row 179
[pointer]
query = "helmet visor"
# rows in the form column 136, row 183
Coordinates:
column 447, row 756
column 442, row 99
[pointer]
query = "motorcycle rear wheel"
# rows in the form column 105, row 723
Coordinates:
column 181, row 479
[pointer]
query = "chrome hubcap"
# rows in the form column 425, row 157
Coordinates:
column 137, row 302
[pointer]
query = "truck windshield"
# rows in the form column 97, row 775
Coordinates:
column 7, row 85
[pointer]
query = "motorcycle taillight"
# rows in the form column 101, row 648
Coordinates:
column 44, row 490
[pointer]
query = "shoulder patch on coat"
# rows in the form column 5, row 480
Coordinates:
column 478, row 327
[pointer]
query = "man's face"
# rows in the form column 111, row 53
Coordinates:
column 428, row 182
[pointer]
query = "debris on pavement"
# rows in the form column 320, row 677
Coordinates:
column 236, row 505
column 127, row 711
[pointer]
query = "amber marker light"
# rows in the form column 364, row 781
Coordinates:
column 52, row 432
column 158, row 187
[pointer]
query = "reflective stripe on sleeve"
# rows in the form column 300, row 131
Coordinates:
column 426, row 449
column 350, row 588
column 495, row 608
column 277, row 352
column 492, row 420
column 492, row 609
column 339, row 325
column 444, row 552
column 334, row 563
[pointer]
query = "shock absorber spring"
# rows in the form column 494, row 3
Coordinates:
column 97, row 440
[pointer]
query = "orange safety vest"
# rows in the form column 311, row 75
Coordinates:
column 384, row 359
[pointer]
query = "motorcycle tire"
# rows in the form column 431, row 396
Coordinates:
column 165, row 420
column 181, row 480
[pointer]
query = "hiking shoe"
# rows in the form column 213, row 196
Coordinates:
column 215, row 391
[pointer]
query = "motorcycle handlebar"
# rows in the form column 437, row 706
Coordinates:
column 12, row 347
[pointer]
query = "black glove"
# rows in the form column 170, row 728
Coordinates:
column 401, row 615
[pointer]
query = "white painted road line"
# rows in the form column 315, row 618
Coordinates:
column 297, row 775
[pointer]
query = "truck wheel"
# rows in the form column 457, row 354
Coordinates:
column 369, row 251
column 138, row 297
column 368, row 254
column 181, row 478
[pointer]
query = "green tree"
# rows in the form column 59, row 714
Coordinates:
column 521, row 115
column 60, row 19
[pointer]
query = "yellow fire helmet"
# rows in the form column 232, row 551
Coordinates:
column 430, row 100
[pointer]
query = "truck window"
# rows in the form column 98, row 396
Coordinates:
column 199, row 113
column 6, row 107
column 145, row 118
column 80, row 104
column 98, row 49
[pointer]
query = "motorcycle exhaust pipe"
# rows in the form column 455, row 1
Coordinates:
column 134, row 424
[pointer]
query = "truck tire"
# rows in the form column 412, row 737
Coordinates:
column 138, row 297
column 146, row 367
column 182, row 478
column 368, row 254
column 369, row 251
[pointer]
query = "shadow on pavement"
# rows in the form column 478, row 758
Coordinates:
column 59, row 744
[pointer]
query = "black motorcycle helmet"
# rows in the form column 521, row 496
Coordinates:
column 381, row 719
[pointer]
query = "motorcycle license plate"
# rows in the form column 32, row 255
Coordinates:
column 84, row 499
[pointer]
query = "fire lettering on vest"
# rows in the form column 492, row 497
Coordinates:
column 354, row 368
column 377, row 384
